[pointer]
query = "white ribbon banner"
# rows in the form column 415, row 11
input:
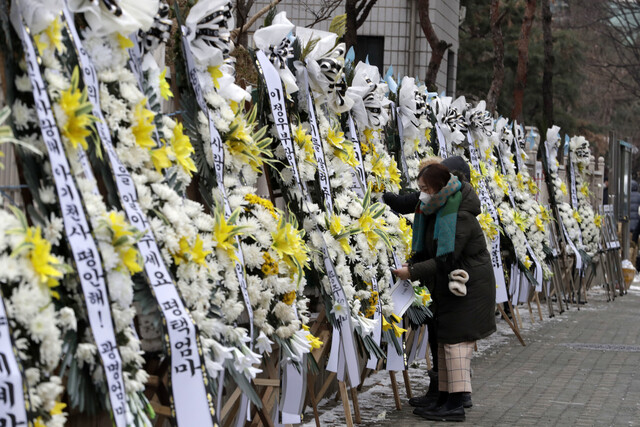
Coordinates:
column 572, row 186
column 442, row 144
column 487, row 203
column 572, row 245
column 403, row 159
column 359, row 174
column 323, row 173
column 78, row 234
column 13, row 409
column 190, row 396
column 346, row 349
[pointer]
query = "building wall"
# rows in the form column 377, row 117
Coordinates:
column 391, row 19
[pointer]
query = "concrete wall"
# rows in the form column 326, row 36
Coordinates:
column 390, row 19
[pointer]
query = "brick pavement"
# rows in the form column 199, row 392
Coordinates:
column 581, row 368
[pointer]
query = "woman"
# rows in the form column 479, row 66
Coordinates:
column 455, row 260
column 406, row 204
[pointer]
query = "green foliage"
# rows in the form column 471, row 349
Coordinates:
column 475, row 64
column 339, row 25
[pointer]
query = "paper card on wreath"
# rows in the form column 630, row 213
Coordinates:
column 402, row 295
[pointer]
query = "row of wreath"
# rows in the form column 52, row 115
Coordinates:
column 117, row 226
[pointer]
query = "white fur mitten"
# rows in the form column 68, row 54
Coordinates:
column 457, row 280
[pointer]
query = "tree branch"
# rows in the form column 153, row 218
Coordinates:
column 237, row 31
column 365, row 13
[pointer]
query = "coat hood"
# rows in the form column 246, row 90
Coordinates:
column 470, row 201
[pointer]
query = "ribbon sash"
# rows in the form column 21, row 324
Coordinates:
column 359, row 174
column 13, row 409
column 487, row 203
column 442, row 144
column 189, row 392
column 78, row 234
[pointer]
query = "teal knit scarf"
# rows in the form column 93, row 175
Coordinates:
column 446, row 203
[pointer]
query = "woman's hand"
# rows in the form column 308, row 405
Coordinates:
column 402, row 272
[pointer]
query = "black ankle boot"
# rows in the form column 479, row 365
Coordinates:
column 440, row 402
column 450, row 411
column 432, row 393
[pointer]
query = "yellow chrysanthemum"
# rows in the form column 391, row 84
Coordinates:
column 289, row 298
column 142, row 125
column 160, row 157
column 257, row 200
column 165, row 89
column 215, row 73
column 54, row 34
column 183, row 149
column 77, row 111
column 270, row 265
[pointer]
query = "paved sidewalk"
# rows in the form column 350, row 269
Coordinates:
column 580, row 368
column 583, row 369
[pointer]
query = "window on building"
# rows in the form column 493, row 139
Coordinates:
column 373, row 47
column 451, row 73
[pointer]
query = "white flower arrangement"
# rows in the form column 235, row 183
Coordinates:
column 114, row 237
column 589, row 221
column 30, row 276
column 449, row 115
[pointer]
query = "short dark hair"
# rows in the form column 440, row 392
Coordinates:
column 435, row 175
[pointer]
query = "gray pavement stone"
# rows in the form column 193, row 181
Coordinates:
column 579, row 368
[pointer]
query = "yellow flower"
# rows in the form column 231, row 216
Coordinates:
column 597, row 220
column 369, row 135
column 394, row 174
column 500, row 182
column 425, row 296
column 427, row 134
column 195, row 254
column 54, row 34
column 475, row 178
column 289, row 298
column 546, row 215
column 165, row 89
column 183, row 149
column 252, row 148
column 483, row 169
column 488, row 226
column 577, row 216
column 143, row 126
column 77, row 110
column 270, row 265
column 342, row 148
column 160, row 157
column 257, row 200
column 314, row 341
column 527, row 262
column 539, row 223
column 225, row 232
column 533, row 188
column 406, row 232
column 520, row 182
column 584, row 189
column 124, row 42
column 337, row 230
column 215, row 73
column 57, row 408
column 519, row 220
column 563, row 188
column 46, row 266
column 396, row 329
column 123, row 238
column 304, row 141
column 288, row 242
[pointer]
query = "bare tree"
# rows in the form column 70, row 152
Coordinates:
column 547, row 73
column 498, row 56
column 523, row 60
column 243, row 8
column 357, row 13
column 438, row 46
column 320, row 12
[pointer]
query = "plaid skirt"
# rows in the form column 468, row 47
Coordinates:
column 454, row 367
